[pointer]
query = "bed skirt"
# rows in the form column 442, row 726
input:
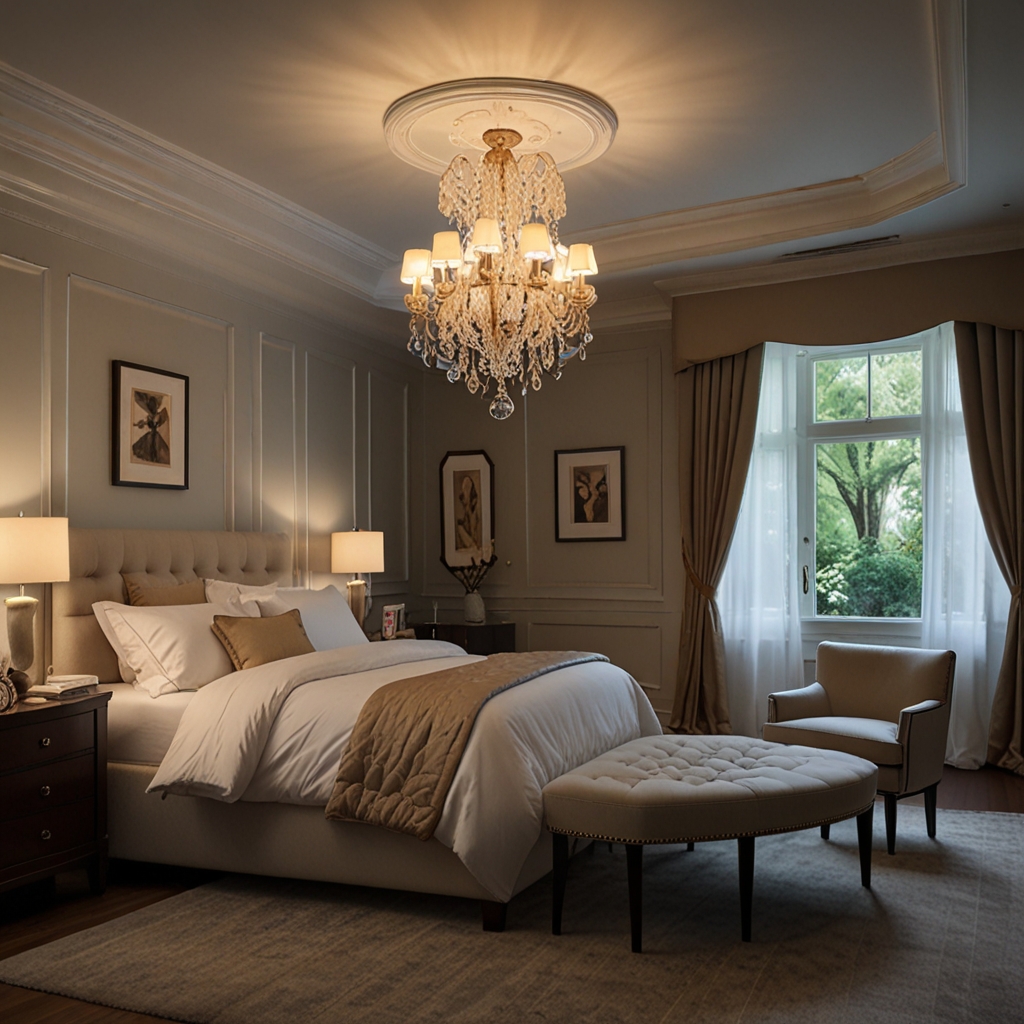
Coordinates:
column 284, row 840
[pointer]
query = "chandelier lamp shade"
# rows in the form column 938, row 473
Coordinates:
column 499, row 300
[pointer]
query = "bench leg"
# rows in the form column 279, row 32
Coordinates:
column 746, row 852
column 689, row 847
column 890, row 823
column 865, row 822
column 495, row 915
column 560, row 866
column 929, row 808
column 825, row 831
column 635, row 871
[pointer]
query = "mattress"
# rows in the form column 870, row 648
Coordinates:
column 139, row 728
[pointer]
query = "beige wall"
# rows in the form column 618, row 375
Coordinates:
column 293, row 427
column 622, row 599
column 852, row 308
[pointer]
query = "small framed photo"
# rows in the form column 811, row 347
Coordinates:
column 149, row 432
column 467, row 509
column 392, row 620
column 589, row 494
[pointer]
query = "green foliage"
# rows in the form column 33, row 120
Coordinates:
column 840, row 389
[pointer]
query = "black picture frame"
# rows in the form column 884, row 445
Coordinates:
column 452, row 556
column 127, row 467
column 570, row 524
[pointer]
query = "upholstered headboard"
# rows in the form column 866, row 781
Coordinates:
column 98, row 557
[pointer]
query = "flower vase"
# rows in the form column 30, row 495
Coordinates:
column 473, row 609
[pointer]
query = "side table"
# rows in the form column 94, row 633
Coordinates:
column 475, row 638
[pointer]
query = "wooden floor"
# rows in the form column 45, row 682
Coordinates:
column 37, row 914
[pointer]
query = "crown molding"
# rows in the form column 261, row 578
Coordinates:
column 937, row 247
column 633, row 313
column 75, row 160
column 934, row 167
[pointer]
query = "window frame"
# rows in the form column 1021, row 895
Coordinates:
column 810, row 433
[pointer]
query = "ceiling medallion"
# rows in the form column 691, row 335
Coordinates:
column 500, row 299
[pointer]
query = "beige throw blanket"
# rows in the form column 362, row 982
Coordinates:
column 410, row 736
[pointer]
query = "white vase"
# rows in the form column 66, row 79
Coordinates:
column 473, row 609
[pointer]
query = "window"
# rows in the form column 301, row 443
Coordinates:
column 861, row 509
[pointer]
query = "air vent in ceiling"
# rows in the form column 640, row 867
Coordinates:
column 834, row 250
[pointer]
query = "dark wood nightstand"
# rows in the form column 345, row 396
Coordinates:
column 53, row 790
column 475, row 638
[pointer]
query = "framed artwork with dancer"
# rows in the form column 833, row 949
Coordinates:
column 149, row 431
column 589, row 494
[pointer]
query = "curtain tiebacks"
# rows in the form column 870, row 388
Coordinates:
column 1014, row 591
column 699, row 585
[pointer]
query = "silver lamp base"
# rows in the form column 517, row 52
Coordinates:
column 357, row 600
column 21, row 613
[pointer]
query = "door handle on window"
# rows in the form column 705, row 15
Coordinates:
column 807, row 580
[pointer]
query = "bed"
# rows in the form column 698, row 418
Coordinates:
column 276, row 828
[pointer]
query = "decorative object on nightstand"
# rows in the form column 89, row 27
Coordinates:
column 53, row 776
column 467, row 524
column 473, row 637
column 357, row 551
column 32, row 550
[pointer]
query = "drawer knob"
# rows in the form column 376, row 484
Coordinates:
column 45, row 834
column 44, row 790
column 45, row 741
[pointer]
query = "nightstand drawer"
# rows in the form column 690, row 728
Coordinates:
column 50, row 785
column 39, row 835
column 36, row 742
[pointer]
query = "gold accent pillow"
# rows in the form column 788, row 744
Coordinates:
column 252, row 642
column 141, row 595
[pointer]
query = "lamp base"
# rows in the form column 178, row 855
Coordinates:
column 357, row 600
column 21, row 613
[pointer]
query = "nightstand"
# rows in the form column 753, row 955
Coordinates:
column 53, row 790
column 474, row 638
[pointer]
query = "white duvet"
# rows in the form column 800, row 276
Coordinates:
column 276, row 733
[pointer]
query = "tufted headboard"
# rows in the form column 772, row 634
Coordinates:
column 98, row 557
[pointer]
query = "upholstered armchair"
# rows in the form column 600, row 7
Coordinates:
column 889, row 705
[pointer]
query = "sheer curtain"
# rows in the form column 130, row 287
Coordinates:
column 965, row 600
column 758, row 595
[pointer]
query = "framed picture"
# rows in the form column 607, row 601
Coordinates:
column 392, row 620
column 150, row 427
column 589, row 490
column 467, row 509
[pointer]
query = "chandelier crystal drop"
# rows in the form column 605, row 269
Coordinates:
column 500, row 299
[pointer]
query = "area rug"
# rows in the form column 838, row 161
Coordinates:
column 938, row 938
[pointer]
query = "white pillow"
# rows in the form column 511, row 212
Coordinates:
column 169, row 648
column 326, row 616
column 223, row 592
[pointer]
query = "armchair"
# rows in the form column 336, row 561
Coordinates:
column 889, row 705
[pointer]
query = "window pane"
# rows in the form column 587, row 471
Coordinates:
column 896, row 384
column 869, row 529
column 841, row 389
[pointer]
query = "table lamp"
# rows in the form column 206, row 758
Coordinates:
column 32, row 550
column 357, row 551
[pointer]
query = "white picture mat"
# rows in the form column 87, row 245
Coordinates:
column 466, row 556
column 146, row 380
column 567, row 529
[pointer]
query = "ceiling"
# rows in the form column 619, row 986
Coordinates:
column 718, row 101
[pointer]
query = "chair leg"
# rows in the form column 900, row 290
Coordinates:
column 689, row 847
column 890, row 823
column 560, row 871
column 865, row 823
column 929, row 808
column 746, row 852
column 825, row 830
column 635, row 873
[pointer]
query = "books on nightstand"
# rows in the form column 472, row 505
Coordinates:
column 63, row 687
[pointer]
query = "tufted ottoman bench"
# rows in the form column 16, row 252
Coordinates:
column 687, row 789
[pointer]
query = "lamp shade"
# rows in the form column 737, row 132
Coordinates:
column 447, row 251
column 486, row 235
column 357, row 551
column 535, row 242
column 34, row 550
column 416, row 265
column 581, row 260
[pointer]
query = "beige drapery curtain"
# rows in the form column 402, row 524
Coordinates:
column 991, row 367
column 717, row 420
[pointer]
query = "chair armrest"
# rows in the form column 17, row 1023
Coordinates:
column 806, row 702
column 922, row 734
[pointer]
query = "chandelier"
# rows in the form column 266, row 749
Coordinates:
column 500, row 300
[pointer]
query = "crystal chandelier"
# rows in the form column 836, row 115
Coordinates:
column 500, row 299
